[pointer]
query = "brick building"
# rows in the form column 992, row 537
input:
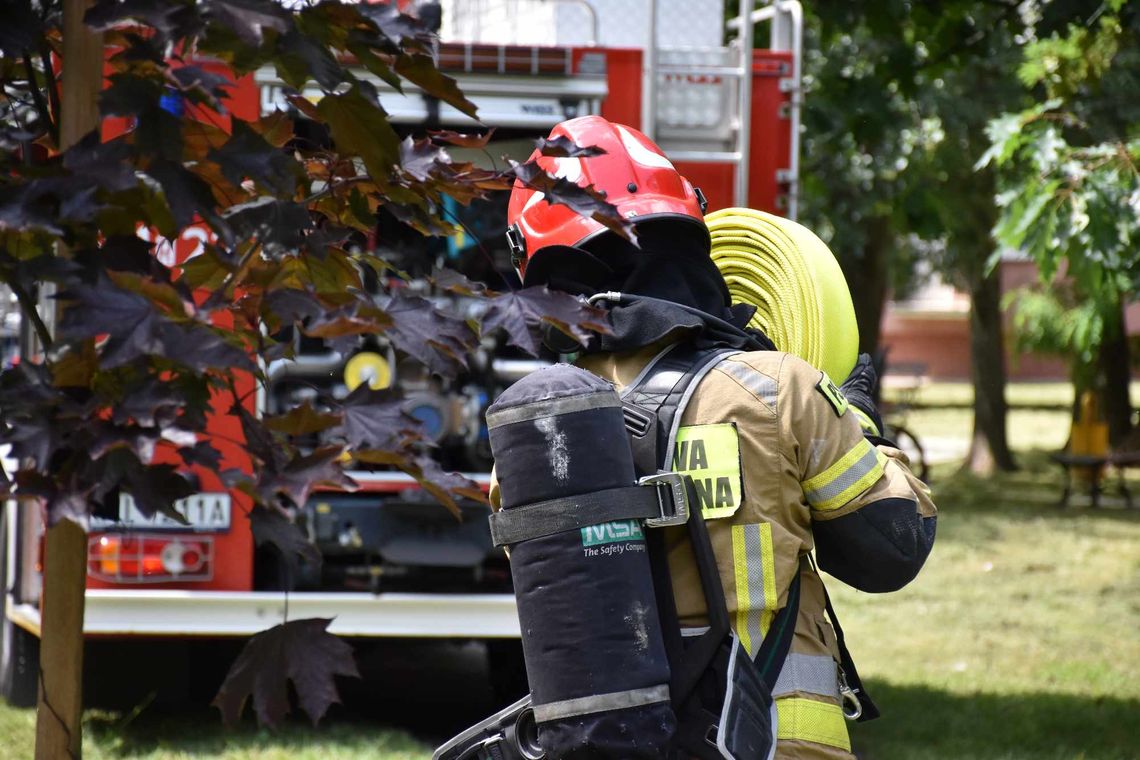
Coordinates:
column 929, row 333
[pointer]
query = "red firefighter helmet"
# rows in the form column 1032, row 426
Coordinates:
column 633, row 173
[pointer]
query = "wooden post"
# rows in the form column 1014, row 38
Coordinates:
column 60, row 710
column 59, row 713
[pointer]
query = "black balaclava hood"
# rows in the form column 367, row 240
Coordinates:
column 671, row 266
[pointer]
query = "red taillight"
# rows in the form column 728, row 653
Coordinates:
column 139, row 558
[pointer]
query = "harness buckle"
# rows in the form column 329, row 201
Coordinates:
column 672, row 497
column 638, row 421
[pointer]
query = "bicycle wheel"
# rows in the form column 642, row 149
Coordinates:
column 908, row 443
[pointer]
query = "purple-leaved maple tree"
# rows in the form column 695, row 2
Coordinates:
column 141, row 347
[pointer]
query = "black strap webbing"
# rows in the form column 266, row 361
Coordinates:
column 699, row 653
column 651, row 405
column 776, row 645
column 870, row 710
column 545, row 518
column 666, row 603
column 653, row 402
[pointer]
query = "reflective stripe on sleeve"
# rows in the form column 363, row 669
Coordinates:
column 810, row 721
column 865, row 421
column 760, row 385
column 808, row 674
column 854, row 473
column 754, row 564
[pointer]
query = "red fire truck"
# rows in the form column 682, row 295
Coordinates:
column 394, row 563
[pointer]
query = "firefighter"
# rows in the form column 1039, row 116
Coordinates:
column 783, row 461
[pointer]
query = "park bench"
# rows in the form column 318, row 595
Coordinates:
column 1122, row 458
column 905, row 380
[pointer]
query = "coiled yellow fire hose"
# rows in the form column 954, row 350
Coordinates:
column 792, row 278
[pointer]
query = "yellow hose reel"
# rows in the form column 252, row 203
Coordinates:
column 367, row 367
column 792, row 278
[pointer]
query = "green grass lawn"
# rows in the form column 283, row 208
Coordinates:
column 1038, row 394
column 1026, row 429
column 202, row 736
column 1019, row 641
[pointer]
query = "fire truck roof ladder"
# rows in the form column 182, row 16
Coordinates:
column 673, row 69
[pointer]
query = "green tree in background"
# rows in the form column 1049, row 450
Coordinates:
column 861, row 125
column 1069, row 194
column 899, row 95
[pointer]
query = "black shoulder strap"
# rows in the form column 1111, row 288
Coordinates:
column 653, row 405
column 654, row 402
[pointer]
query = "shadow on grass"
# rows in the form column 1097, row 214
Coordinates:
column 922, row 723
column 199, row 734
column 151, row 701
column 918, row 723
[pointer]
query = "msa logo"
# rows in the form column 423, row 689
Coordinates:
column 612, row 532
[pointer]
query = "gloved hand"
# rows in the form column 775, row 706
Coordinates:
column 859, row 388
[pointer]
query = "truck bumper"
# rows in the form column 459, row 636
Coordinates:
column 225, row 613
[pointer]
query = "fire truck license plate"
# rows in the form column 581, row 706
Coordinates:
column 203, row 511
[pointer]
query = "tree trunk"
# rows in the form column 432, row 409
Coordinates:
column 869, row 284
column 59, row 731
column 989, row 449
column 1114, row 367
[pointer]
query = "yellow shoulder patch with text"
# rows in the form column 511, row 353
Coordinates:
column 710, row 455
column 832, row 393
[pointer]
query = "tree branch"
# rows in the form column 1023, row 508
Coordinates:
column 333, row 186
column 28, row 307
column 243, row 262
column 38, row 97
column 52, row 88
